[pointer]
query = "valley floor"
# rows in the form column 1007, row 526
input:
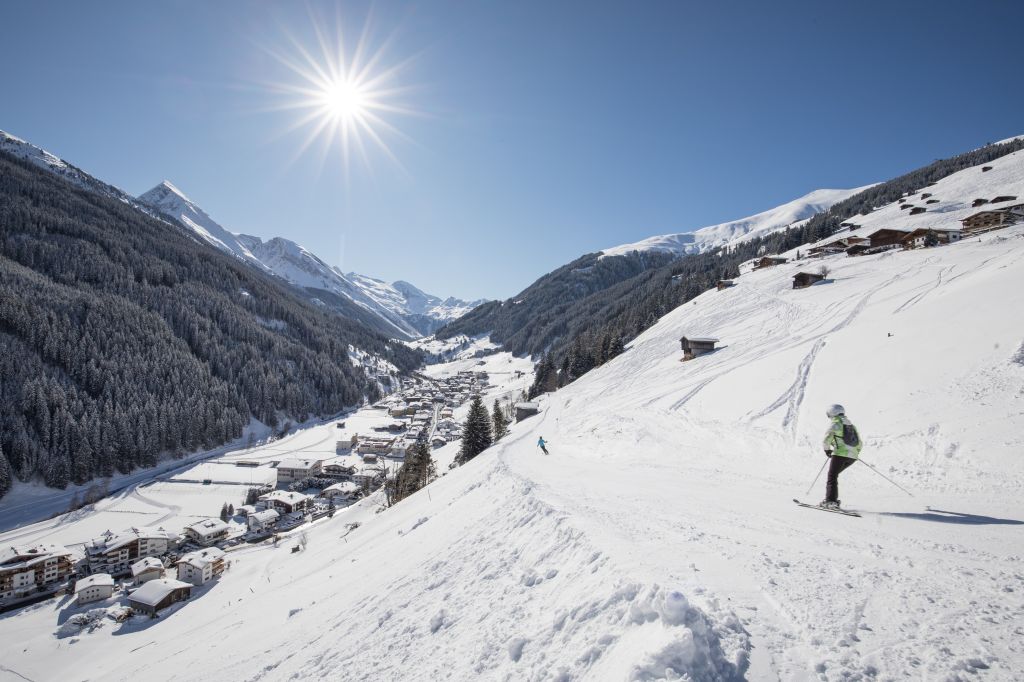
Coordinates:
column 658, row 540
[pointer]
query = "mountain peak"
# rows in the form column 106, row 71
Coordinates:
column 757, row 225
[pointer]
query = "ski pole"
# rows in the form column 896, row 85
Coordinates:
column 817, row 477
column 888, row 479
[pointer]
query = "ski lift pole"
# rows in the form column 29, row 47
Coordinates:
column 818, row 476
column 888, row 479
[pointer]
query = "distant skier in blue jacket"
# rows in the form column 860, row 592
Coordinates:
column 842, row 446
column 542, row 445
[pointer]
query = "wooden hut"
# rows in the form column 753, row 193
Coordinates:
column 725, row 284
column 694, row 347
column 802, row 280
column 768, row 261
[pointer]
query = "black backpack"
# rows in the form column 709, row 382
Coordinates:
column 850, row 436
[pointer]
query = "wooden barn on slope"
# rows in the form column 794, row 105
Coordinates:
column 802, row 280
column 695, row 346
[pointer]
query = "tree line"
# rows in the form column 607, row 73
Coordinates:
column 124, row 339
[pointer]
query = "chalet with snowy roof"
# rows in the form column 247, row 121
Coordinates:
column 994, row 219
column 695, row 346
column 291, row 470
column 28, row 569
column 337, row 470
column 525, row 410
column 368, row 475
column 157, row 595
column 345, row 446
column 919, row 238
column 115, row 553
column 207, row 531
column 95, row 587
column 344, row 490
column 199, row 568
column 285, row 502
column 802, row 280
column 376, row 446
column 768, row 262
column 262, row 521
column 147, row 569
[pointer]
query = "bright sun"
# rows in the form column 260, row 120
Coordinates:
column 342, row 98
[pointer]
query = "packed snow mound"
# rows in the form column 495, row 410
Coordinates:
column 733, row 232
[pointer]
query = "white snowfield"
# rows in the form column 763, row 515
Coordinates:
column 658, row 539
column 735, row 231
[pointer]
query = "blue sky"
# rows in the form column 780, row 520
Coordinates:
column 543, row 130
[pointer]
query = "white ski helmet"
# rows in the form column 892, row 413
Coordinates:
column 835, row 410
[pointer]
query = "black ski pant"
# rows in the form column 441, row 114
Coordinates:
column 837, row 466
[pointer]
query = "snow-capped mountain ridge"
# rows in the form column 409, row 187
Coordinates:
column 305, row 270
column 76, row 176
column 734, row 231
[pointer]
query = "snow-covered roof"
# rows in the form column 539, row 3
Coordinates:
column 109, row 542
column 298, row 463
column 202, row 557
column 265, row 516
column 155, row 591
column 208, row 527
column 147, row 564
column 94, row 580
column 19, row 556
column 701, row 339
column 286, row 496
column 344, row 487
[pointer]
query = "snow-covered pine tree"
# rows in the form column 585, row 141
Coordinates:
column 500, row 422
column 476, row 435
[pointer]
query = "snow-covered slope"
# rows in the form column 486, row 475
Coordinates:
column 170, row 201
column 658, row 539
column 948, row 201
column 399, row 315
column 76, row 176
column 735, row 231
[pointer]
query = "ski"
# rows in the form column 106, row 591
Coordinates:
column 844, row 512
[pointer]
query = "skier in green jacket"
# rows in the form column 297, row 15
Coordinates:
column 842, row 446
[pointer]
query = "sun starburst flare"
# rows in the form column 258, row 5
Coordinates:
column 344, row 99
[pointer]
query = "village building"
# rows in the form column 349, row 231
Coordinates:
column 447, row 413
column 285, row 502
column 346, row 445
column 438, row 441
column 199, row 568
column 262, row 521
column 157, row 595
column 28, row 569
column 338, row 492
column 207, row 531
column 694, row 347
column 95, row 587
column 919, row 238
column 401, row 448
column 245, row 510
column 376, row 446
column 147, row 569
column 337, row 470
column 368, row 475
column 526, row 409
column 802, row 280
column 115, row 553
column 993, row 219
column 291, row 470
column 768, row 261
